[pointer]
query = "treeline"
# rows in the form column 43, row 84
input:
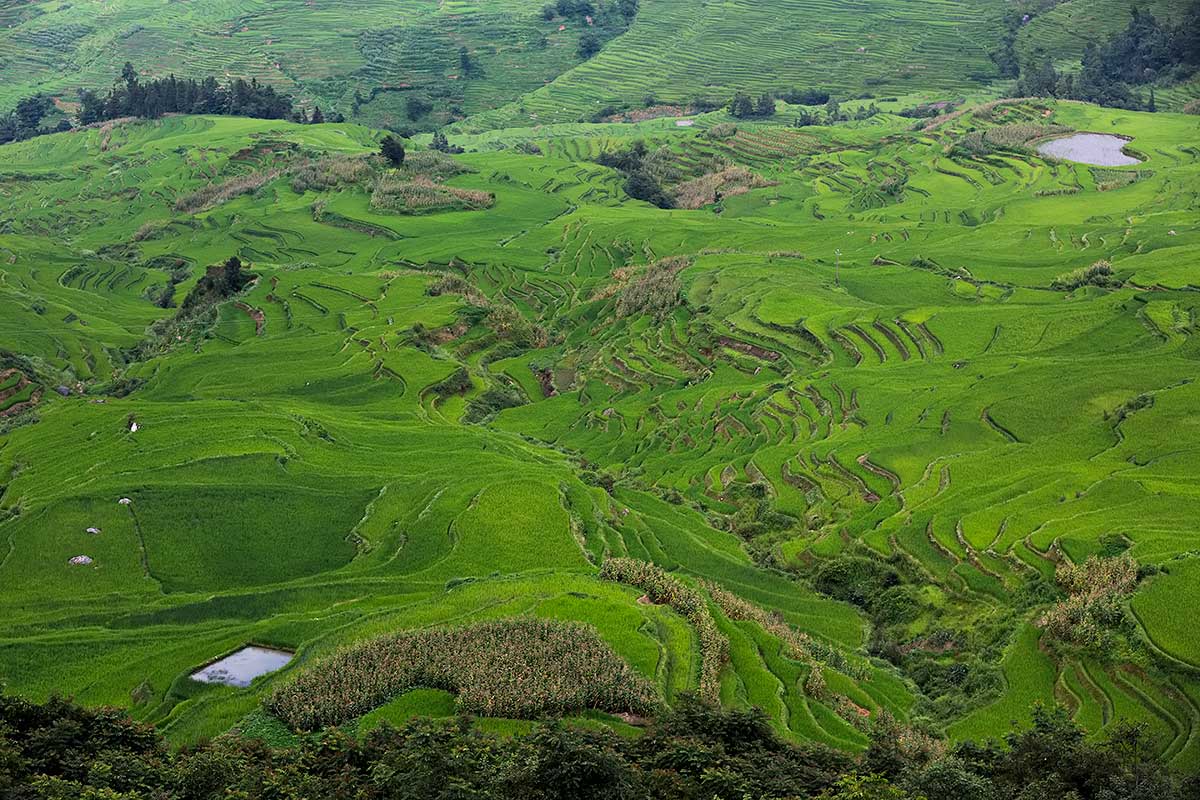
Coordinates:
column 1147, row 51
column 130, row 97
column 58, row 750
column 743, row 106
column 25, row 121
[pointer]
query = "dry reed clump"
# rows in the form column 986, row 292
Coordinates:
column 150, row 230
column 728, row 182
column 214, row 194
column 1098, row 274
column 656, row 292
column 331, row 172
column 663, row 588
column 401, row 193
column 1014, row 136
column 1094, row 605
column 433, row 163
column 522, row 668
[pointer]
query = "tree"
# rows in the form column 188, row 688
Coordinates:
column 833, row 110
column 416, row 107
column 129, row 75
column 317, row 117
column 1150, row 106
column 234, row 278
column 589, row 45
column 641, row 185
column 91, row 107
column 466, row 67
column 442, row 145
column 765, row 107
column 741, row 106
column 393, row 150
column 31, row 110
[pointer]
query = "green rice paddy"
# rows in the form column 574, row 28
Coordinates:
column 891, row 370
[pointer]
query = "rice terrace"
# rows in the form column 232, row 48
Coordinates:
column 604, row 398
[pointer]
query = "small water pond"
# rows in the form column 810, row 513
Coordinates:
column 1097, row 149
column 238, row 669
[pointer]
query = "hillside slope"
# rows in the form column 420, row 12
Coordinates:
column 454, row 390
column 525, row 67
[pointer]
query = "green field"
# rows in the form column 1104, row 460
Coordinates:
column 847, row 376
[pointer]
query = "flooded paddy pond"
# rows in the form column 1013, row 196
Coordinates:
column 1097, row 149
column 238, row 669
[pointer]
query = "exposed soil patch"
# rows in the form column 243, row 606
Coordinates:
column 15, row 389
column 748, row 349
column 260, row 319
column 545, row 377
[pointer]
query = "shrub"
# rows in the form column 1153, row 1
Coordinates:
column 523, row 668
column 656, row 292
column 1098, row 274
column 1094, row 603
column 855, row 580
column 715, row 186
column 330, row 172
column 434, row 163
column 492, row 402
column 457, row 382
column 214, row 194
column 394, row 192
column 723, row 130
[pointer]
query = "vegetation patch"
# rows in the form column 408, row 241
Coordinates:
column 421, row 195
column 523, row 668
column 1095, row 603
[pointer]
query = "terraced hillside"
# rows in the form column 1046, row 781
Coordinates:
column 527, row 67
column 384, row 52
column 867, row 372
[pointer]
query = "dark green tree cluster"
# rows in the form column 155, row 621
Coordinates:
column 25, row 121
column 1146, row 51
column 442, row 144
column 220, row 282
column 641, row 182
column 743, row 107
column 602, row 21
column 392, row 149
column 59, row 750
column 804, row 97
column 129, row 97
